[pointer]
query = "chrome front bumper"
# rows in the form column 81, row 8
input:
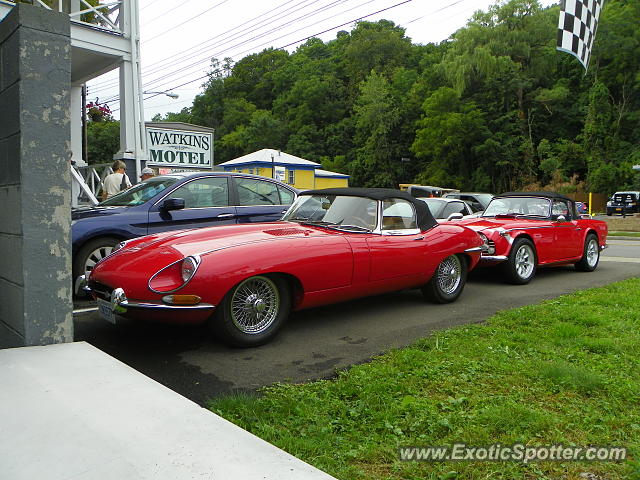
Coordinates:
column 120, row 304
column 493, row 258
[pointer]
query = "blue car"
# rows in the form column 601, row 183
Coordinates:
column 173, row 202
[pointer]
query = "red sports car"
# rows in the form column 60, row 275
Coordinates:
column 332, row 245
column 524, row 230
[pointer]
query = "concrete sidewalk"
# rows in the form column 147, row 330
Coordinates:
column 70, row 411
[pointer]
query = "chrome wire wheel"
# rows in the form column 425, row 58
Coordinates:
column 96, row 255
column 525, row 261
column 254, row 305
column 449, row 274
column 593, row 252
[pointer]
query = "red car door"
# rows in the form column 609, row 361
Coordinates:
column 400, row 249
column 567, row 233
column 396, row 256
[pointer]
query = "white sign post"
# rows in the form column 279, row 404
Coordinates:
column 179, row 149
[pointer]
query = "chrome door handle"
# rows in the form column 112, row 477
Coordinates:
column 418, row 239
column 283, row 212
column 226, row 215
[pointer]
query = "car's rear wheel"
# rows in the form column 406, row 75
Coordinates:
column 590, row 255
column 90, row 254
column 253, row 311
column 520, row 267
column 448, row 281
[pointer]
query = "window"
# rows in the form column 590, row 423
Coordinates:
column 286, row 196
column 398, row 214
column 203, row 193
column 291, row 177
column 257, row 192
column 560, row 208
column 453, row 207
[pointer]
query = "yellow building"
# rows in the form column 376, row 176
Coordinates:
column 297, row 172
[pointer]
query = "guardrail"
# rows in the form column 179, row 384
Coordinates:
column 88, row 182
column 105, row 15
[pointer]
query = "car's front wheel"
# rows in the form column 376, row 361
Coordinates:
column 253, row 311
column 520, row 266
column 590, row 255
column 448, row 281
column 91, row 253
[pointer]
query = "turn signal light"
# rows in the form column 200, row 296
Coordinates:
column 181, row 299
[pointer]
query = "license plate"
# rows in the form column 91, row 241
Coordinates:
column 618, row 209
column 105, row 311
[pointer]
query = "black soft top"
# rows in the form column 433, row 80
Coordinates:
column 424, row 217
column 550, row 195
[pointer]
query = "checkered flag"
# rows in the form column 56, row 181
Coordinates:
column 577, row 27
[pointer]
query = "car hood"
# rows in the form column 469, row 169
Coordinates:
column 88, row 212
column 153, row 252
column 204, row 240
column 480, row 224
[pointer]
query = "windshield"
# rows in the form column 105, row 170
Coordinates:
column 527, row 206
column 139, row 193
column 484, row 198
column 435, row 206
column 334, row 211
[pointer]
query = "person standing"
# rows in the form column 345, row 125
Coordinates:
column 116, row 181
column 147, row 173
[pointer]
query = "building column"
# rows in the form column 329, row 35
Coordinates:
column 35, row 179
column 132, row 134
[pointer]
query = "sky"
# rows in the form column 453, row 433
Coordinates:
column 179, row 37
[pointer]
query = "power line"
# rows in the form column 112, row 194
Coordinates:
column 188, row 20
column 298, row 41
column 181, row 70
column 311, row 36
column 159, row 65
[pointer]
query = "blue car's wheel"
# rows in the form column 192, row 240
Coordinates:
column 253, row 311
column 90, row 254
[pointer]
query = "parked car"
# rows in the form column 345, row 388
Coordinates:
column 624, row 203
column 477, row 201
column 171, row 202
column 581, row 207
column 447, row 208
column 332, row 245
column 526, row 230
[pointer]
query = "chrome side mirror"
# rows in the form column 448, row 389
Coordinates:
column 454, row 216
column 561, row 219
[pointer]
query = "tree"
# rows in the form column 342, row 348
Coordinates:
column 183, row 115
column 446, row 138
column 103, row 141
column 375, row 119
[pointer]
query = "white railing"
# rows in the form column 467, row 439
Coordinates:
column 88, row 181
column 105, row 15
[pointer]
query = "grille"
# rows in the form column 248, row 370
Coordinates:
column 286, row 231
column 101, row 291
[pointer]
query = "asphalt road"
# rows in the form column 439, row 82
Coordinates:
column 317, row 342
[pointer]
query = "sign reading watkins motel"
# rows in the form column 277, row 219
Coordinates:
column 179, row 148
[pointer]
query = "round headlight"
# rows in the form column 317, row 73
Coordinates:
column 484, row 238
column 189, row 267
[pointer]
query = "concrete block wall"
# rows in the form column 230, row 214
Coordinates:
column 35, row 181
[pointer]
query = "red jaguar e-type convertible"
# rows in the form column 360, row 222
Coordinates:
column 524, row 230
column 331, row 245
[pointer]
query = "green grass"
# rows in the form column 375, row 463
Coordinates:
column 565, row 371
column 623, row 234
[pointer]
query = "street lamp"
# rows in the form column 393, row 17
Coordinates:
column 168, row 94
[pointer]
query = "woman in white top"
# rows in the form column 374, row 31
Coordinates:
column 116, row 181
